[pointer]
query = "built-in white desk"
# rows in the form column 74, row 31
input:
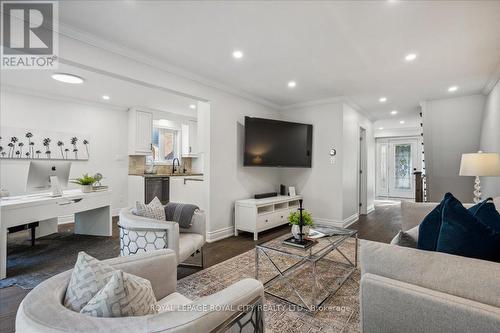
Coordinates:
column 92, row 215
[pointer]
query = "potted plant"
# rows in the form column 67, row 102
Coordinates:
column 294, row 220
column 85, row 181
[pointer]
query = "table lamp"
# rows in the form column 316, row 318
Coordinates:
column 479, row 164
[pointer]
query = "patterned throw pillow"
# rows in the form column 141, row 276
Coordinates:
column 153, row 210
column 124, row 295
column 88, row 277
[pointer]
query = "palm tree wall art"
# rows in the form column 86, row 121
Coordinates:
column 26, row 147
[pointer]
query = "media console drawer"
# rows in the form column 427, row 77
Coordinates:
column 256, row 215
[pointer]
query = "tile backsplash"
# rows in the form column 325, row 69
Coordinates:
column 137, row 165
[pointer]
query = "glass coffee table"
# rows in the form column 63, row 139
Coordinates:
column 307, row 277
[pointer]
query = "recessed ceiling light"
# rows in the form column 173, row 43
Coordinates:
column 237, row 54
column 380, row 128
column 292, row 84
column 105, row 97
column 382, row 99
column 411, row 56
column 452, row 88
column 67, row 78
column 401, row 121
column 192, row 106
column 393, row 112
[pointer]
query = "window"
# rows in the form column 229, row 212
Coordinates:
column 166, row 144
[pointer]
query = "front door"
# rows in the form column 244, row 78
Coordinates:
column 396, row 161
column 402, row 161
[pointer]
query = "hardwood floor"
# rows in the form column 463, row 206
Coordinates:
column 381, row 225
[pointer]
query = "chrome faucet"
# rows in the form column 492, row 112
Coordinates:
column 173, row 164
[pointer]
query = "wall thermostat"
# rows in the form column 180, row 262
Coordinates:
column 333, row 152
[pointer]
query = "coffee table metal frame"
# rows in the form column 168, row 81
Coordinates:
column 310, row 256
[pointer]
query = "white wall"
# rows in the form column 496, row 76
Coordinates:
column 106, row 130
column 321, row 185
column 490, row 138
column 452, row 127
column 352, row 121
column 330, row 191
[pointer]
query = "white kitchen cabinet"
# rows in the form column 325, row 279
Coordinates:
column 190, row 139
column 188, row 189
column 140, row 124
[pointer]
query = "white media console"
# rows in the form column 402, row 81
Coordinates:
column 256, row 215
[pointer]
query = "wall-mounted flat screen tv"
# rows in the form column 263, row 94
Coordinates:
column 277, row 143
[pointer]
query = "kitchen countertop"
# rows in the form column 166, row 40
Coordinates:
column 153, row 175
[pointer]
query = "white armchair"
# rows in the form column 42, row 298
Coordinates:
column 42, row 310
column 140, row 234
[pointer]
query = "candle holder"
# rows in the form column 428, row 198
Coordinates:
column 301, row 242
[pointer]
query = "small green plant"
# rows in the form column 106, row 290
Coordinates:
column 294, row 218
column 84, row 180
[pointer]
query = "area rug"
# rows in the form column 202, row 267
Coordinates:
column 27, row 265
column 339, row 313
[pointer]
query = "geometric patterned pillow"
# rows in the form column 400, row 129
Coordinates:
column 124, row 295
column 154, row 210
column 88, row 277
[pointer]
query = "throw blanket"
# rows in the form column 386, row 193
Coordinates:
column 180, row 213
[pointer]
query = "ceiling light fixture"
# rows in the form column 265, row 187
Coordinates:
column 105, row 97
column 380, row 128
column 411, row 56
column 192, row 106
column 237, row 54
column 401, row 121
column 394, row 112
column 67, row 78
column 292, row 84
column 452, row 88
column 382, row 99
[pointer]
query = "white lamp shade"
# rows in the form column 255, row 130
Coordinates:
column 480, row 164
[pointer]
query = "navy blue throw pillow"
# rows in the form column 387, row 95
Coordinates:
column 487, row 213
column 428, row 230
column 464, row 234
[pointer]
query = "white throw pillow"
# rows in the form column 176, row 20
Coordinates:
column 153, row 210
column 88, row 277
column 124, row 295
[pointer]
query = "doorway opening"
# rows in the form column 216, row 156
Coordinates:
column 362, row 178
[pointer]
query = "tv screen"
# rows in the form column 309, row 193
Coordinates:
column 277, row 143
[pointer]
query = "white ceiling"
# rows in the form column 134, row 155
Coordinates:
column 337, row 48
column 123, row 94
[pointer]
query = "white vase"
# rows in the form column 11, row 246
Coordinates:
column 296, row 230
column 86, row 188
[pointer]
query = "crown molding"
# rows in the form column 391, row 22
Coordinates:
column 325, row 101
column 30, row 92
column 316, row 102
column 113, row 47
column 492, row 82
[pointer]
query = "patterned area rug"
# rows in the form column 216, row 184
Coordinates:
column 339, row 313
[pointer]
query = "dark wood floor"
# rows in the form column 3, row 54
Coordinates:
column 381, row 225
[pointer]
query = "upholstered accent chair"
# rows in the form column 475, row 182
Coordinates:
column 228, row 310
column 141, row 234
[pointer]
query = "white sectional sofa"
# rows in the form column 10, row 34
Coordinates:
column 409, row 290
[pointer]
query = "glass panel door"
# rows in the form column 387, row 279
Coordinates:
column 402, row 170
column 402, row 161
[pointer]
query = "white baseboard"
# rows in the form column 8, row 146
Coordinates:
column 71, row 218
column 333, row 223
column 370, row 209
column 350, row 220
column 213, row 236
column 336, row 223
